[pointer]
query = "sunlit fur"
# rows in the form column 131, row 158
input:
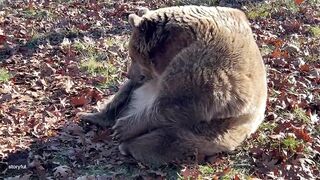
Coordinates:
column 205, row 88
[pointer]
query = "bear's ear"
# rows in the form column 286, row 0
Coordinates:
column 134, row 20
column 142, row 11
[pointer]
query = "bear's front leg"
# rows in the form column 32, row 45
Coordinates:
column 107, row 116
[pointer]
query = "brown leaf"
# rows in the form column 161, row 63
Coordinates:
column 3, row 39
column 83, row 27
column 300, row 148
column 301, row 133
column 278, row 43
column 275, row 42
column 30, row 5
column 46, row 70
column 285, row 54
column 298, row 2
column 190, row 172
column 79, row 101
column 282, row 126
column 95, row 95
column 305, row 68
column 292, row 25
column 276, row 53
column 226, row 170
column 236, row 177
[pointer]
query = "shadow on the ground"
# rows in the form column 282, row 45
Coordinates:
column 77, row 151
column 56, row 38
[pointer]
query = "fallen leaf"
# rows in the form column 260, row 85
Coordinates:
column 298, row 2
column 190, row 172
column 305, row 68
column 3, row 39
column 79, row 101
column 301, row 133
column 276, row 53
column 236, row 177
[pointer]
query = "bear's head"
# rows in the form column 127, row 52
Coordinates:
column 155, row 40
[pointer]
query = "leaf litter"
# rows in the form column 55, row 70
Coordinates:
column 44, row 45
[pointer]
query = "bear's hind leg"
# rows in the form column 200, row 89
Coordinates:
column 157, row 147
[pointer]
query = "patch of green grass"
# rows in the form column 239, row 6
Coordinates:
column 93, row 62
column 266, row 9
column 266, row 126
column 262, row 138
column 266, row 50
column 291, row 5
column 206, row 170
column 313, row 58
column 313, row 2
column 301, row 115
column 37, row 14
column 95, row 67
column 290, row 143
column 84, row 48
column 259, row 11
column 315, row 31
column 4, row 75
column 111, row 75
column 92, row 66
column 109, row 41
column 232, row 173
column 240, row 167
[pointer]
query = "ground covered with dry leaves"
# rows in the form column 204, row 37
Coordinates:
column 64, row 57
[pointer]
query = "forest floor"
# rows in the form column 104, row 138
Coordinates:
column 64, row 57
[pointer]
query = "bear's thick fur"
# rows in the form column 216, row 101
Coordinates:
column 202, row 83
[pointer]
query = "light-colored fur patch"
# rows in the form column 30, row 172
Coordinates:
column 258, row 119
column 143, row 98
